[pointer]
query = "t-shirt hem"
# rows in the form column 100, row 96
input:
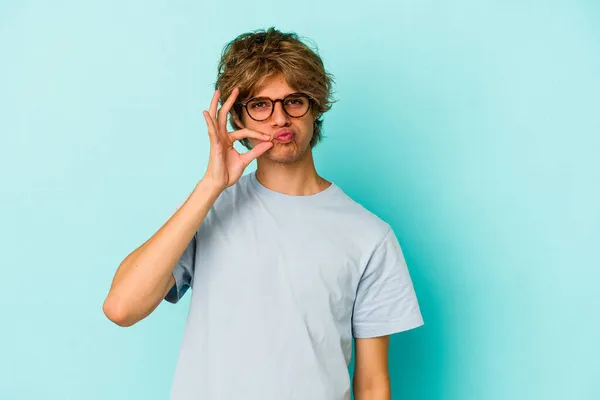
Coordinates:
column 178, row 290
column 371, row 330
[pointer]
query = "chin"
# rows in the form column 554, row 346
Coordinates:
column 282, row 158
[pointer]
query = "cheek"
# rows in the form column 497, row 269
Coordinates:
column 309, row 125
column 255, row 126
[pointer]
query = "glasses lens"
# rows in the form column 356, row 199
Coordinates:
column 296, row 105
column 260, row 108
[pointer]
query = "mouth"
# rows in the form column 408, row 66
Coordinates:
column 285, row 137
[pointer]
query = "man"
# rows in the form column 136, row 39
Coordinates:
column 286, row 269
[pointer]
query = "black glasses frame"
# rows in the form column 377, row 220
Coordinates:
column 274, row 101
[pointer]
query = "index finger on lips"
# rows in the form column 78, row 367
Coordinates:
column 249, row 133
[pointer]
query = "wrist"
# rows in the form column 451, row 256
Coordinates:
column 208, row 187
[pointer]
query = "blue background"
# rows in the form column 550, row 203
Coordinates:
column 473, row 128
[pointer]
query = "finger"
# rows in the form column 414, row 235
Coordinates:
column 256, row 152
column 223, row 138
column 222, row 117
column 248, row 133
column 212, row 134
column 214, row 104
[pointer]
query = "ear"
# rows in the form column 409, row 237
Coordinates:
column 237, row 120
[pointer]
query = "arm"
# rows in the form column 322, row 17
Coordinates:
column 145, row 276
column 371, row 378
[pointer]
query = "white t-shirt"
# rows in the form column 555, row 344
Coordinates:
column 281, row 285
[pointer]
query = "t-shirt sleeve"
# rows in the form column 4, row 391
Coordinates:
column 385, row 302
column 183, row 272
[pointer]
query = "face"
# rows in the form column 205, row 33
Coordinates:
column 283, row 151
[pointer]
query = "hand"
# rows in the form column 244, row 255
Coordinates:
column 226, row 165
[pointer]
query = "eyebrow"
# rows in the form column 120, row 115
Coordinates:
column 267, row 97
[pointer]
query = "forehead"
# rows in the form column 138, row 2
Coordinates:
column 275, row 87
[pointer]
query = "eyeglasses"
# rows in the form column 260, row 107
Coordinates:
column 295, row 105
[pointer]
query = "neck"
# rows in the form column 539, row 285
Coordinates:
column 295, row 179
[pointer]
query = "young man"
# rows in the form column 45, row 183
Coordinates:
column 286, row 269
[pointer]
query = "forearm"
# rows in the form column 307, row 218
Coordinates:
column 141, row 280
column 373, row 394
column 378, row 389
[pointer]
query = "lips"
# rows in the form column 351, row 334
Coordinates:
column 284, row 134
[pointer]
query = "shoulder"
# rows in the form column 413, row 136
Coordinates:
column 358, row 217
column 228, row 206
column 234, row 193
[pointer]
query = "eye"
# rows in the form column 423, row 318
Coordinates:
column 295, row 101
column 259, row 104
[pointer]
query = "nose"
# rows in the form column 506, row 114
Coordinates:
column 279, row 117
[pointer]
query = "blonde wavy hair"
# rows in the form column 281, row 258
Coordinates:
column 252, row 58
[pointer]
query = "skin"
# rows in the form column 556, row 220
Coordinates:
column 289, row 168
column 371, row 375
